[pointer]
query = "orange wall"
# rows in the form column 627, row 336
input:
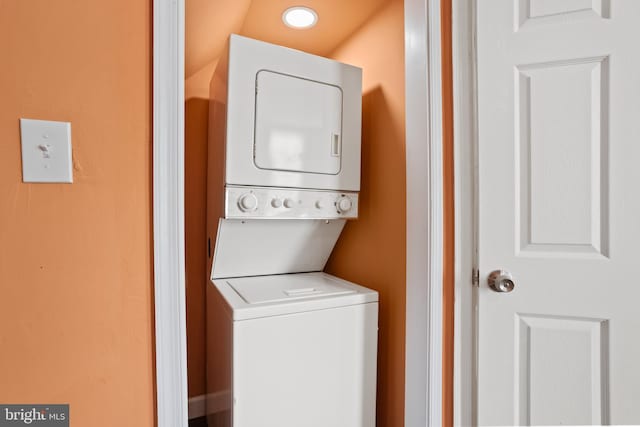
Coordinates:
column 371, row 250
column 196, row 137
column 448, row 215
column 76, row 294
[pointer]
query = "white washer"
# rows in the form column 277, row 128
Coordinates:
column 291, row 350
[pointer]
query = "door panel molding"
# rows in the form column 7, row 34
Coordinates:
column 534, row 12
column 540, row 338
column 576, row 88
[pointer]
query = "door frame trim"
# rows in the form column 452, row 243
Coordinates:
column 424, row 163
column 168, row 214
column 466, row 208
column 423, row 370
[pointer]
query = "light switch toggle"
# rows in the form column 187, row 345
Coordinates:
column 45, row 150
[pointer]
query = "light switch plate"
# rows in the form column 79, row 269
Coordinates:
column 46, row 151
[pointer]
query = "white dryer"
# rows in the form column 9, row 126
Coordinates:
column 297, row 350
column 287, row 118
column 284, row 134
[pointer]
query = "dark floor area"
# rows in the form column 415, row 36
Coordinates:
column 198, row 422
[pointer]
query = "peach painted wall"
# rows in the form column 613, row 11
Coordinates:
column 448, row 215
column 76, row 290
column 196, row 140
column 371, row 250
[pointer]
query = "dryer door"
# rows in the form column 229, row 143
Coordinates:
column 298, row 124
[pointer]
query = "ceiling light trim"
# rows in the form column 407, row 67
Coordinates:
column 300, row 17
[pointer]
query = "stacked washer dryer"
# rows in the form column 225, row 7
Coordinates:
column 287, row 345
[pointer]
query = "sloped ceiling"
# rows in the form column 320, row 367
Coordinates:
column 209, row 23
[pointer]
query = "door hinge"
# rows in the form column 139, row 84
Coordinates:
column 475, row 278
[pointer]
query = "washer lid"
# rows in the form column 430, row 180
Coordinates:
column 287, row 287
column 265, row 296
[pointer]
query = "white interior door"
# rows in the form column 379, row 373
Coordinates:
column 559, row 208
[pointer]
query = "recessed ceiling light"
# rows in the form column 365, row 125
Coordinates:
column 300, row 17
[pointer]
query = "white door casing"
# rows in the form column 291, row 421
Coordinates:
column 423, row 356
column 558, row 118
column 423, row 90
column 168, row 214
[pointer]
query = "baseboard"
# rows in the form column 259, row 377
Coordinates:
column 217, row 402
column 197, row 406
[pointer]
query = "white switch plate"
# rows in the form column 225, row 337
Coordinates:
column 46, row 151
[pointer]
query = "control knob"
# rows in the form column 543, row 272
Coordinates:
column 248, row 202
column 344, row 204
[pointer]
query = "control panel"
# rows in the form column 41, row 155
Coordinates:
column 285, row 203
